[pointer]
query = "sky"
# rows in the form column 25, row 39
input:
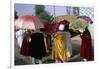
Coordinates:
column 29, row 9
column 22, row 8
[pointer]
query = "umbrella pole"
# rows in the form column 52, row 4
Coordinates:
column 54, row 14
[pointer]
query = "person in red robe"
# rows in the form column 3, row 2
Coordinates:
column 86, row 49
column 25, row 43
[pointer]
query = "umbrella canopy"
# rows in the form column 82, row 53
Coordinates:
column 50, row 28
column 78, row 24
column 86, row 18
column 28, row 22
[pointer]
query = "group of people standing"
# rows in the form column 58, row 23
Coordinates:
column 34, row 44
column 62, row 45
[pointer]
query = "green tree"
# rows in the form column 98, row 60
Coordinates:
column 43, row 14
column 39, row 9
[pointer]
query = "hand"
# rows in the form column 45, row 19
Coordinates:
column 80, row 30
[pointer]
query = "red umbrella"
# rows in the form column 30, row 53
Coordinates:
column 28, row 22
column 53, row 27
column 65, row 22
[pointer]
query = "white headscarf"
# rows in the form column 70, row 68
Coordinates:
column 61, row 27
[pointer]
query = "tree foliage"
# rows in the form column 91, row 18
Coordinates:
column 43, row 14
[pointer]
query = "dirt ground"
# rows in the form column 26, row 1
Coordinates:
column 22, row 60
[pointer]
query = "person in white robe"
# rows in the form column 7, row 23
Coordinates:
column 19, row 37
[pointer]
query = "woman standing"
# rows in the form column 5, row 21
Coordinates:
column 59, row 51
column 86, row 49
column 25, row 43
column 19, row 37
column 37, row 46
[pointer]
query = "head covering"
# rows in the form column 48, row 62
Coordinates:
column 61, row 27
column 65, row 22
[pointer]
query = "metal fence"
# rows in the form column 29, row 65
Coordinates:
column 86, row 11
column 81, row 11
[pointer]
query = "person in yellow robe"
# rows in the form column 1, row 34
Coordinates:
column 59, row 48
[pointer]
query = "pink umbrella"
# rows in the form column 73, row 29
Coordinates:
column 28, row 22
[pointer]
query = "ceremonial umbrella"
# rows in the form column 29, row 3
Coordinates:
column 86, row 18
column 28, row 22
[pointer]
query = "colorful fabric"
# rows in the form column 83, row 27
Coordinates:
column 86, row 49
column 59, row 48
